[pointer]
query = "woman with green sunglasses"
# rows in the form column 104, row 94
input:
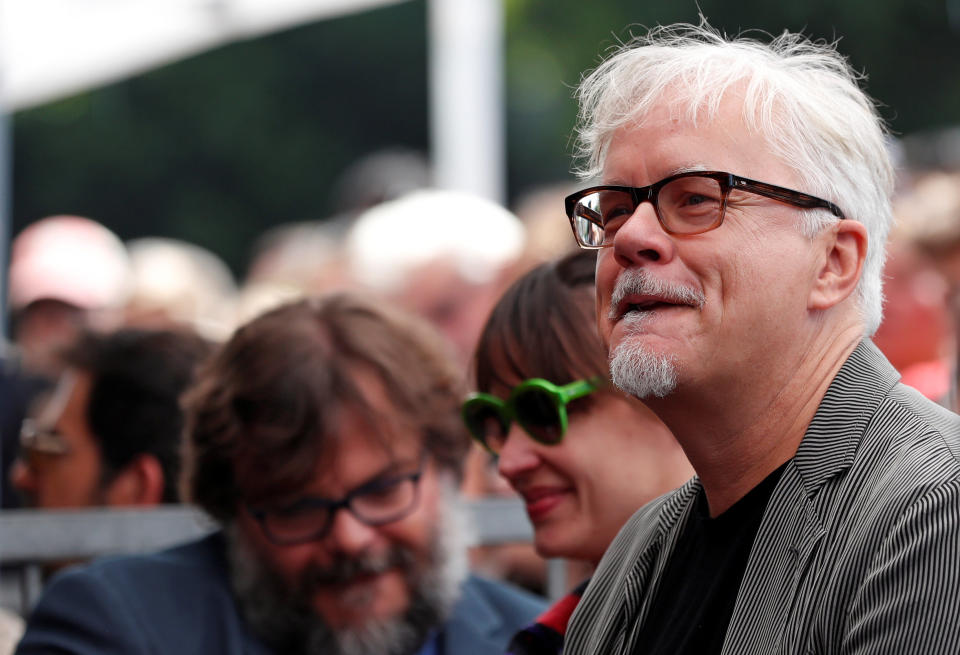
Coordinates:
column 582, row 455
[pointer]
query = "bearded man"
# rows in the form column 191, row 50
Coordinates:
column 741, row 222
column 325, row 437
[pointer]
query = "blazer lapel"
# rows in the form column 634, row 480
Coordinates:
column 792, row 527
column 644, row 578
column 785, row 542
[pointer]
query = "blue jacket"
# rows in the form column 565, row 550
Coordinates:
column 179, row 602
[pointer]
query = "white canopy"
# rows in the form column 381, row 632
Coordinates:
column 54, row 48
column 51, row 49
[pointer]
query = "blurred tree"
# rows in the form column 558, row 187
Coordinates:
column 909, row 49
column 217, row 148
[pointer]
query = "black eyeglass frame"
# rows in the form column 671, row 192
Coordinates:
column 727, row 182
column 260, row 515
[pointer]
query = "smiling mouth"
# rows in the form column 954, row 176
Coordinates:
column 541, row 502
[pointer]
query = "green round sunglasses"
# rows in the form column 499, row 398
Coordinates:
column 537, row 405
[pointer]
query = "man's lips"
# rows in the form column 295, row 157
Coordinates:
column 361, row 579
column 358, row 591
column 636, row 290
column 644, row 303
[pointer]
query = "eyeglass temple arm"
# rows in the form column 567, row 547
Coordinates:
column 580, row 388
column 785, row 195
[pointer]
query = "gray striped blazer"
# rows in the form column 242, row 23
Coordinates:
column 858, row 550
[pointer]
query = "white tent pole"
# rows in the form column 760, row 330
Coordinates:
column 6, row 206
column 466, row 96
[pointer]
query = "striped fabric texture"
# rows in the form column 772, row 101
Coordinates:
column 859, row 548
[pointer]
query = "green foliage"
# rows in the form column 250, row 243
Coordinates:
column 217, row 148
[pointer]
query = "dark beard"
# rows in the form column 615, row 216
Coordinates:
column 285, row 620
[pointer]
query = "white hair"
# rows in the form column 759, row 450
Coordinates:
column 640, row 372
column 390, row 241
column 802, row 96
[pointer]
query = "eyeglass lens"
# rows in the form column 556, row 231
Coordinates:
column 377, row 506
column 686, row 205
column 487, row 424
column 537, row 412
column 534, row 409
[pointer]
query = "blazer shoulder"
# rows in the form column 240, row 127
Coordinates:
column 508, row 600
column 928, row 414
column 191, row 564
column 922, row 429
column 153, row 603
column 487, row 615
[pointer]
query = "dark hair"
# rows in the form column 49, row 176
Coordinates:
column 137, row 377
column 544, row 326
column 266, row 408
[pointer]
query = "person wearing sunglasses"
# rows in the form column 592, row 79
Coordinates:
column 582, row 455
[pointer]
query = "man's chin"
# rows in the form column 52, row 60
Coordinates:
column 381, row 597
column 641, row 371
column 408, row 601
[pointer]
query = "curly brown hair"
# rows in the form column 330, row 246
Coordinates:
column 264, row 411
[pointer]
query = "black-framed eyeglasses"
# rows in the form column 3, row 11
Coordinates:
column 685, row 204
column 538, row 406
column 375, row 503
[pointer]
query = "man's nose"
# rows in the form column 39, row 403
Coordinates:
column 641, row 239
column 350, row 535
column 518, row 455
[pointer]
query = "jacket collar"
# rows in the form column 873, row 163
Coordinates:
column 834, row 434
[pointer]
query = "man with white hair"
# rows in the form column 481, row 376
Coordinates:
column 740, row 229
column 440, row 254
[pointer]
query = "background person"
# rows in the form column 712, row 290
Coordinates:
column 582, row 483
column 174, row 283
column 325, row 437
column 110, row 433
column 439, row 254
column 916, row 334
column 67, row 274
column 928, row 218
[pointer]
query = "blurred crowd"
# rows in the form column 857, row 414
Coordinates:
column 81, row 301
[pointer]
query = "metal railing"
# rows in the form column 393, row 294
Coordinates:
column 31, row 539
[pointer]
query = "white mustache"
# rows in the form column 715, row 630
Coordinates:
column 637, row 281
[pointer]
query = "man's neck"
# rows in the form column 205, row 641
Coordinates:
column 738, row 433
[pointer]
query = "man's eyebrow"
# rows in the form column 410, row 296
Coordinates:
column 393, row 469
column 686, row 168
column 690, row 168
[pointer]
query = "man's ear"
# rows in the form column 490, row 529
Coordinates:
column 845, row 248
column 139, row 483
